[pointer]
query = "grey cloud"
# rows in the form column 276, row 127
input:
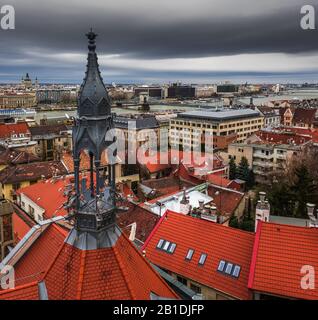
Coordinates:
column 157, row 30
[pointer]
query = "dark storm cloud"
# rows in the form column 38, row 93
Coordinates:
column 155, row 30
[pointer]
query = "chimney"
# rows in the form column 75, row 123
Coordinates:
column 262, row 209
column 311, row 214
column 184, row 203
column 210, row 216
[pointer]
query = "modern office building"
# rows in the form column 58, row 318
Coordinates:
column 225, row 126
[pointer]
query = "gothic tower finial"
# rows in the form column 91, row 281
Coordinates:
column 94, row 206
column 93, row 97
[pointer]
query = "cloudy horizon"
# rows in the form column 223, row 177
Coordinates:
column 205, row 41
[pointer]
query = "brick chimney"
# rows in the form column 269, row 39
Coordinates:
column 262, row 209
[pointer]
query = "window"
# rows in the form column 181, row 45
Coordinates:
column 31, row 211
column 190, row 254
column 182, row 280
column 221, row 266
column 236, row 271
column 172, row 248
column 202, row 259
column 160, row 243
column 228, row 268
column 166, row 245
column 195, row 288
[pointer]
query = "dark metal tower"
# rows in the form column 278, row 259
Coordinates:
column 94, row 203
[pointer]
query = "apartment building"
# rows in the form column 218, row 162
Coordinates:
column 51, row 141
column 271, row 116
column 264, row 159
column 222, row 127
column 138, row 129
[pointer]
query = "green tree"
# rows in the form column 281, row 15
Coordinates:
column 281, row 200
column 232, row 169
column 243, row 170
column 303, row 190
column 244, row 173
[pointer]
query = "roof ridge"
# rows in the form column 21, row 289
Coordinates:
column 23, row 286
column 147, row 263
column 125, row 275
column 154, row 230
column 254, row 255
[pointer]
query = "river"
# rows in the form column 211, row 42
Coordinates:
column 296, row 94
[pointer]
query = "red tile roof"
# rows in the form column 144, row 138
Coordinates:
column 26, row 292
column 31, row 266
column 8, row 156
column 280, row 251
column 68, row 161
column 113, row 273
column 117, row 272
column 21, row 226
column 218, row 180
column 31, row 171
column 145, row 220
column 7, row 129
column 226, row 200
column 282, row 138
column 165, row 160
column 217, row 241
column 302, row 115
column 49, row 195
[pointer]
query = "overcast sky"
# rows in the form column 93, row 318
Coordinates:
column 149, row 41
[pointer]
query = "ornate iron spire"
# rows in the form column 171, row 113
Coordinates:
column 94, row 204
column 93, row 96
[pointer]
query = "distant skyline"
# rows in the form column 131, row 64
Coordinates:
column 202, row 41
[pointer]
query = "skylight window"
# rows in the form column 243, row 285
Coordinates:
column 160, row 243
column 172, row 248
column 166, row 246
column 228, row 268
column 221, row 266
column 236, row 271
column 190, row 254
column 202, row 259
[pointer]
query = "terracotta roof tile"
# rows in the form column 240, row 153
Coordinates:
column 279, row 253
column 119, row 272
column 7, row 129
column 32, row 265
column 31, row 171
column 217, row 241
column 26, row 292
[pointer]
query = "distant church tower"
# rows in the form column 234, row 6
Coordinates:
column 27, row 82
column 95, row 201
